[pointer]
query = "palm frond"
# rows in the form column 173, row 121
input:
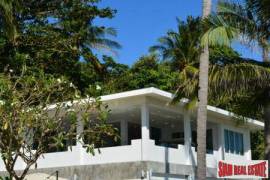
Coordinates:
column 234, row 79
column 249, row 19
column 219, row 33
column 239, row 17
column 110, row 31
column 180, row 47
column 261, row 9
column 155, row 48
column 226, row 83
column 6, row 13
column 97, row 39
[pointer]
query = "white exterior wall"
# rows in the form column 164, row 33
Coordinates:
column 145, row 149
column 137, row 151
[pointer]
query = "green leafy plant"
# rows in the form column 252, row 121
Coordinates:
column 41, row 114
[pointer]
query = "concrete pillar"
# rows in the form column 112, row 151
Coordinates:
column 247, row 147
column 145, row 133
column 221, row 142
column 79, row 127
column 145, row 122
column 187, row 135
column 124, row 132
column 79, row 146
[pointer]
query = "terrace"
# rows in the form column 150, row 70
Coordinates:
column 153, row 131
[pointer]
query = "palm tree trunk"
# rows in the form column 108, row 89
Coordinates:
column 202, row 104
column 267, row 133
column 265, row 54
column 265, row 49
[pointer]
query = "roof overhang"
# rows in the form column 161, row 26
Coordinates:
column 163, row 95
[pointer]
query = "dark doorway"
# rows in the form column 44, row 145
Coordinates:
column 134, row 131
column 155, row 134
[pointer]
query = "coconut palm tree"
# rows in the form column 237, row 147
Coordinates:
column 202, row 102
column 248, row 88
column 227, row 81
column 253, row 22
column 183, row 49
column 7, row 20
column 261, row 9
column 250, row 22
column 180, row 47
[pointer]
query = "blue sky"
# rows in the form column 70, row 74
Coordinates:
column 139, row 23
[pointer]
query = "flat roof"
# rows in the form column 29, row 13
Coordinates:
column 169, row 96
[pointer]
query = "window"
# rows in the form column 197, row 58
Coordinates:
column 233, row 142
column 209, row 141
column 155, row 134
column 134, row 132
column 177, row 135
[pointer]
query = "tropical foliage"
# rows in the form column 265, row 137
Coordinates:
column 56, row 41
column 56, row 36
column 236, row 84
column 33, row 118
column 250, row 21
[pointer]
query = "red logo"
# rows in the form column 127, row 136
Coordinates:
column 245, row 169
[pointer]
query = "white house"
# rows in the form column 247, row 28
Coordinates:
column 157, row 141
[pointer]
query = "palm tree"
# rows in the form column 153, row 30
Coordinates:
column 227, row 82
column 180, row 47
column 7, row 21
column 183, row 49
column 261, row 9
column 202, row 102
column 248, row 88
column 251, row 23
